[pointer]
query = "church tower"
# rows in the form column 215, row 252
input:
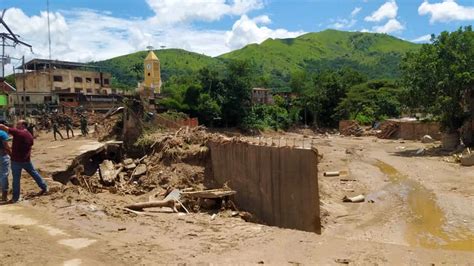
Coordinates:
column 152, row 72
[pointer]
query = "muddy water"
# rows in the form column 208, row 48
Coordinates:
column 427, row 225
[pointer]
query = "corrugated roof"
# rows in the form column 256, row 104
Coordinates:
column 6, row 87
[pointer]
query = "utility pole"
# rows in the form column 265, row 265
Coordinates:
column 49, row 28
column 3, row 57
column 24, row 87
column 17, row 109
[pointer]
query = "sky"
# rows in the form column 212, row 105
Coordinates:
column 92, row 30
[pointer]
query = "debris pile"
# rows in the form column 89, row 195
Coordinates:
column 351, row 128
column 388, row 129
column 174, row 164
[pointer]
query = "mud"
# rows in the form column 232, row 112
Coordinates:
column 427, row 225
column 382, row 232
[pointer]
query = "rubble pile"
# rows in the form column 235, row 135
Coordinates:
column 351, row 128
column 388, row 129
column 176, row 160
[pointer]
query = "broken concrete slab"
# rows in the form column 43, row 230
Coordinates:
column 130, row 166
column 107, row 172
column 139, row 170
column 127, row 161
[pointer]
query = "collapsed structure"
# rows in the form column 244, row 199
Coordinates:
column 276, row 185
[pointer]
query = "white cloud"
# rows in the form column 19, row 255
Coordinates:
column 388, row 10
column 85, row 35
column 356, row 11
column 421, row 39
column 446, row 11
column 343, row 24
column 175, row 11
column 392, row 25
column 247, row 30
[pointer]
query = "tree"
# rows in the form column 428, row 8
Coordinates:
column 439, row 74
column 207, row 109
column 237, row 89
column 371, row 101
column 138, row 70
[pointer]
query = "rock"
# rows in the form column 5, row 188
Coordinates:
column 140, row 170
column 127, row 161
column 130, row 166
column 420, row 151
column 467, row 159
column 122, row 176
column 427, row 139
column 107, row 171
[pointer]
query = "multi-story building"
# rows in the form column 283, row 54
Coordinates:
column 60, row 83
column 262, row 96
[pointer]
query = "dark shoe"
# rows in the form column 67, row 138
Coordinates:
column 43, row 192
column 12, row 201
column 4, row 196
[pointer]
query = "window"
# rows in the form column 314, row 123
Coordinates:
column 57, row 88
column 48, row 99
column 88, row 80
column 106, row 81
column 78, row 90
column 25, row 97
column 61, row 99
column 97, row 81
column 78, row 79
column 89, row 90
column 97, row 91
column 58, row 78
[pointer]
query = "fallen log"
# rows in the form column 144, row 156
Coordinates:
column 210, row 194
column 171, row 203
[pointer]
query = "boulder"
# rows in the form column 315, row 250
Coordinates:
column 140, row 170
column 427, row 139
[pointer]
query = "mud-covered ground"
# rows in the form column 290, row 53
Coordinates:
column 418, row 210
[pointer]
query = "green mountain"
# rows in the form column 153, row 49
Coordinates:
column 377, row 55
column 173, row 62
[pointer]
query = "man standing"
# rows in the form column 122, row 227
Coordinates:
column 4, row 162
column 69, row 126
column 20, row 158
column 56, row 129
column 84, row 128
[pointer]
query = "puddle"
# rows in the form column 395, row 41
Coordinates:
column 427, row 225
column 77, row 243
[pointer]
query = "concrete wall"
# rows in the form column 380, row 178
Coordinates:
column 279, row 185
column 416, row 130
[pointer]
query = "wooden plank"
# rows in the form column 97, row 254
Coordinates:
column 210, row 194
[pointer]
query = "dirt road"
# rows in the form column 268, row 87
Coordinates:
column 422, row 213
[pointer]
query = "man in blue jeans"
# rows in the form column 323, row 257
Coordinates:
column 20, row 158
column 4, row 162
